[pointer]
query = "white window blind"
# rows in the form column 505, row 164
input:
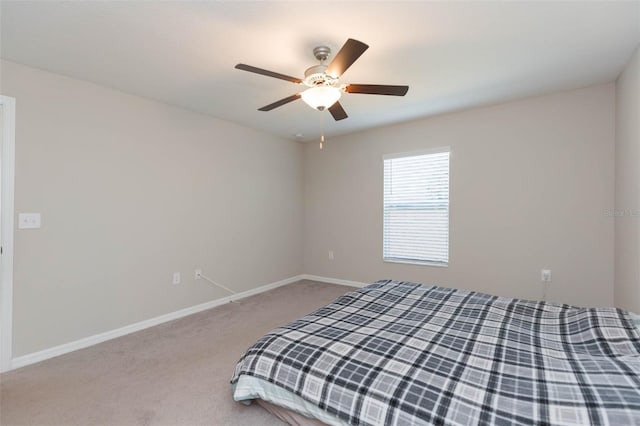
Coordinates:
column 416, row 209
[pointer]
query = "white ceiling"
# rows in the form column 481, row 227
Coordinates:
column 453, row 55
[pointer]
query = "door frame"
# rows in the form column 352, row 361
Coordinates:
column 7, row 188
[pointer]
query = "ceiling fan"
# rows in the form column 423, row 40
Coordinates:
column 324, row 88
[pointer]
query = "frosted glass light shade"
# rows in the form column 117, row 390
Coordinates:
column 321, row 97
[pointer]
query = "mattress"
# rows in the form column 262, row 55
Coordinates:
column 403, row 353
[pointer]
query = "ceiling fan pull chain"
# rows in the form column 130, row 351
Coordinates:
column 322, row 131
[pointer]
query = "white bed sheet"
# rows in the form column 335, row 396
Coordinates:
column 248, row 388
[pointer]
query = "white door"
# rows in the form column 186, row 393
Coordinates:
column 7, row 170
column 5, row 353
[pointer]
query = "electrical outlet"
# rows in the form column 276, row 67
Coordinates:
column 330, row 254
column 198, row 274
column 176, row 277
column 545, row 275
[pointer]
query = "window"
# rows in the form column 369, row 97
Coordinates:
column 416, row 208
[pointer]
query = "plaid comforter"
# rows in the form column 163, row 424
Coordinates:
column 400, row 353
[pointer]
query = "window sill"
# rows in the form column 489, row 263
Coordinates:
column 418, row 262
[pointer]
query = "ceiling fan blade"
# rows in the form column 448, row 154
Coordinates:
column 268, row 73
column 347, row 55
column 377, row 89
column 281, row 102
column 338, row 112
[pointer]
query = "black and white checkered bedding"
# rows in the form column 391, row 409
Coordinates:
column 400, row 353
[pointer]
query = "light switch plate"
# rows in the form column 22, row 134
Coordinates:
column 29, row 221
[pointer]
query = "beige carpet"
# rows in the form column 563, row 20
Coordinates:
column 172, row 374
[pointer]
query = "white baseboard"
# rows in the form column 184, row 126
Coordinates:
column 334, row 281
column 34, row 357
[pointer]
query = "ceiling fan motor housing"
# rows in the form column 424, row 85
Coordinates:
column 316, row 76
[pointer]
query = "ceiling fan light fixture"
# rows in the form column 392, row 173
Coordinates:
column 321, row 97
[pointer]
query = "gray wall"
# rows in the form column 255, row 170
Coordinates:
column 530, row 183
column 627, row 207
column 130, row 191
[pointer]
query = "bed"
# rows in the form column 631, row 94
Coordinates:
column 402, row 353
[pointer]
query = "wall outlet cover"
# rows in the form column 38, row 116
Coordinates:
column 545, row 275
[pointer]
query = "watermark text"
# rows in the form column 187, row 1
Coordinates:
column 621, row 212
